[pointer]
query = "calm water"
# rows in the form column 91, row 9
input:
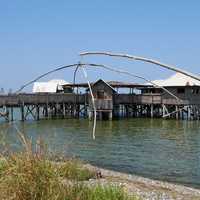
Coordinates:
column 160, row 149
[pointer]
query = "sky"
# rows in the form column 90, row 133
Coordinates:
column 40, row 35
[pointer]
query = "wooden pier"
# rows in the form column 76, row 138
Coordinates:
column 46, row 106
column 141, row 101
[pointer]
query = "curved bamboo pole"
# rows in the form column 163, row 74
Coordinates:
column 131, row 57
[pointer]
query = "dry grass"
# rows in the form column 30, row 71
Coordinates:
column 31, row 175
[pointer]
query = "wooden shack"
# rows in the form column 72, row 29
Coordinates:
column 185, row 88
column 103, row 95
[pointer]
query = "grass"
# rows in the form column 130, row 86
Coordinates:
column 73, row 170
column 32, row 175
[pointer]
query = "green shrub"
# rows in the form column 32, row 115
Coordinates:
column 104, row 193
column 72, row 169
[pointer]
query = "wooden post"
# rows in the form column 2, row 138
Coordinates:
column 136, row 110
column 177, row 113
column 11, row 112
column 189, row 113
column 46, row 111
column 163, row 110
column 110, row 115
column 22, row 112
column 78, row 111
column 71, row 110
column 85, row 110
column 151, row 110
column 64, row 110
column 6, row 113
column 37, row 112
column 195, row 112
column 126, row 110
column 100, row 115
column 56, row 110
column 90, row 115
column 181, row 114
column 118, row 111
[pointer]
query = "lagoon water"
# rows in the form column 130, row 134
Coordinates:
column 160, row 149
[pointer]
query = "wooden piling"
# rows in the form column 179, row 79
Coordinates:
column 11, row 113
column 64, row 110
column 37, row 112
column 22, row 112
column 151, row 110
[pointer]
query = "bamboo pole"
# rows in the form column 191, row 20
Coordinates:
column 155, row 62
column 93, row 102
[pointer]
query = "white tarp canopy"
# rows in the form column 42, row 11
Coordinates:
column 177, row 79
column 48, row 87
column 59, row 83
column 44, row 87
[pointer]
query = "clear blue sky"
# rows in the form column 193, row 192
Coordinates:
column 36, row 36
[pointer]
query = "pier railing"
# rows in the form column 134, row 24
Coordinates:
column 16, row 100
column 39, row 99
column 137, row 99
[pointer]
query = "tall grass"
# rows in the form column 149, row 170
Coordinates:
column 31, row 175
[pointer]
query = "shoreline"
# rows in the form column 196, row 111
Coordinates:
column 145, row 188
column 133, row 185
